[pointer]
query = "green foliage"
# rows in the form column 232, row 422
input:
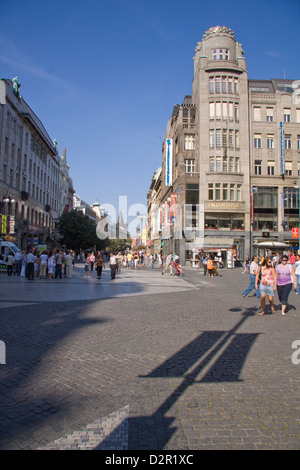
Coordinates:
column 79, row 231
column 117, row 244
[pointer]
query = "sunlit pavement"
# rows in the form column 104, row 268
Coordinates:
column 146, row 361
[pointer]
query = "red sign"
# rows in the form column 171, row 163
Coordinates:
column 295, row 232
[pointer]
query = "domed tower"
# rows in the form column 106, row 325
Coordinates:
column 220, row 95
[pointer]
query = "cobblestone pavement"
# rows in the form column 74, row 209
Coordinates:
column 146, row 362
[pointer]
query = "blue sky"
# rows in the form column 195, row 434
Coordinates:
column 103, row 76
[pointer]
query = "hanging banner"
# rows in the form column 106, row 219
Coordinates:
column 282, row 150
column 169, row 161
column 4, row 224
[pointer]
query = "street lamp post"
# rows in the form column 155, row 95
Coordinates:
column 141, row 217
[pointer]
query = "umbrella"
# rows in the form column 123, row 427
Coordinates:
column 272, row 245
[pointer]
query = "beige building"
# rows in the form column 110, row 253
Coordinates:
column 227, row 148
column 29, row 172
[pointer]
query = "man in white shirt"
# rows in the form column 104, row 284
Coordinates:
column 18, row 261
column 43, row 265
column 113, row 265
column 30, row 265
column 253, row 270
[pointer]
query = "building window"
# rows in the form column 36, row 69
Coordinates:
column 256, row 113
column 211, row 164
column 218, row 138
column 224, row 221
column 257, row 167
column 218, row 163
column 212, row 138
column 189, row 142
column 288, row 168
column 287, row 142
column 210, row 192
column 218, row 191
column 271, row 168
column 298, row 142
column 220, row 54
column 270, row 141
column 189, row 166
column 270, row 114
column 257, row 141
column 287, row 115
column 237, row 139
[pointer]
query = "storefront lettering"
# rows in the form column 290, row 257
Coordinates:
column 223, row 205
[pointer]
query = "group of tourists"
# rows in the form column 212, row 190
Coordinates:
column 270, row 274
column 49, row 264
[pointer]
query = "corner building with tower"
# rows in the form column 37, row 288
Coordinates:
column 230, row 158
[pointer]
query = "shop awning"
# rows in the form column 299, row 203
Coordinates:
column 211, row 242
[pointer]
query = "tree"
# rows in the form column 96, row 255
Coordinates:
column 79, row 231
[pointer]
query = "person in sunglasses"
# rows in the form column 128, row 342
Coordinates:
column 285, row 280
column 268, row 284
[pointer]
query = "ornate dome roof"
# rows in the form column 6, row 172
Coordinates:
column 218, row 30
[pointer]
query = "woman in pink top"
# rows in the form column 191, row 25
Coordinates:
column 268, row 284
column 285, row 279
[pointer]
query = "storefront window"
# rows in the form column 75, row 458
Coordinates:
column 224, row 221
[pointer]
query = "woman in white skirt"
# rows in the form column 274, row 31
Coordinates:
column 51, row 265
column 268, row 284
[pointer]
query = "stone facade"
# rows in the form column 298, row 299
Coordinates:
column 29, row 172
column 223, row 159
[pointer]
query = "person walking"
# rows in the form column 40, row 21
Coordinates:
column 43, row 265
column 30, row 265
column 59, row 261
column 18, row 262
column 285, row 280
column 204, row 262
column 210, row 266
column 51, row 265
column 297, row 274
column 99, row 264
column 113, row 265
column 253, row 269
column 9, row 263
column 268, row 284
column 87, row 263
column 92, row 260
column 69, row 264
column 169, row 264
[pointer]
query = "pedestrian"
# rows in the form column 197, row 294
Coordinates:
column 87, row 265
column 297, row 274
column 69, row 264
column 92, row 260
column 268, row 284
column 9, row 263
column 285, row 280
column 59, row 261
column 113, row 265
column 43, row 265
column 23, row 264
column 169, row 264
column 204, row 262
column 99, row 264
column 253, row 270
column 247, row 265
column 210, row 266
column 30, row 265
column 51, row 265
column 18, row 262
column 129, row 260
